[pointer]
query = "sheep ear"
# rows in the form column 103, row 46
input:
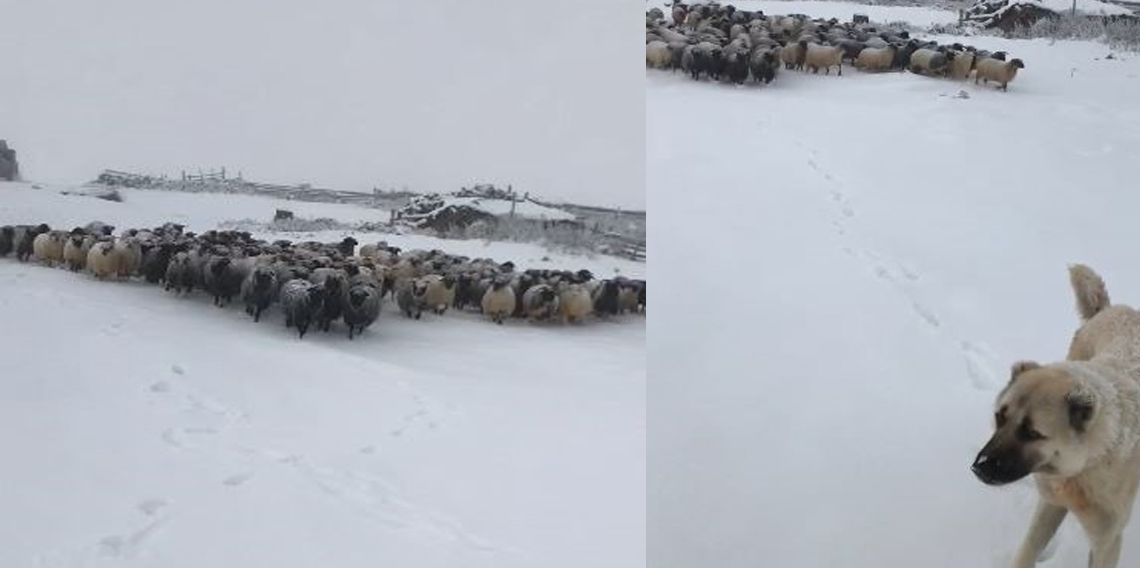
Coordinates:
column 1081, row 407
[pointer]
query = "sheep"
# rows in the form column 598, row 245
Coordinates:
column 103, row 260
column 335, row 282
column 736, row 66
column 346, row 246
column 961, row 66
column 75, row 250
column 25, row 237
column 627, row 297
column 574, row 303
column 129, row 254
column 48, row 247
column 876, row 58
column 540, row 302
column 998, row 71
column 440, row 293
column 641, row 296
column 823, row 56
column 606, row 298
column 155, row 260
column 498, row 301
column 257, row 291
column 180, row 273
column 300, row 301
column 7, row 240
column 793, row 55
column 929, row 62
column 764, row 63
column 222, row 279
column 657, row 55
column 361, row 308
column 409, row 297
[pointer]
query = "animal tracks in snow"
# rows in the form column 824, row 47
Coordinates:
column 980, row 365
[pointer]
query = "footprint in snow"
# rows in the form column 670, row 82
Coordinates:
column 151, row 506
column 160, row 386
column 980, row 365
column 177, row 370
column 237, row 479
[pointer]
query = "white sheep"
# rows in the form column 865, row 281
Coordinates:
column 823, row 57
column 657, row 55
column 574, row 303
column 48, row 247
column 440, row 292
column 75, row 251
column 992, row 70
column 498, row 301
column 876, row 58
column 929, row 62
column 961, row 66
column 129, row 254
column 103, row 260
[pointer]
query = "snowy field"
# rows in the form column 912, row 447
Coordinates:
column 141, row 429
column 862, row 259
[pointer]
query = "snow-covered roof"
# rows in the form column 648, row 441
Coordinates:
column 502, row 208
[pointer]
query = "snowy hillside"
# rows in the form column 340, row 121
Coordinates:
column 862, row 259
column 144, row 429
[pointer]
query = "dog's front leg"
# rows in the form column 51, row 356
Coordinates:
column 1105, row 552
column 1046, row 519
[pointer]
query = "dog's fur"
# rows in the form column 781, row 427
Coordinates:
column 1075, row 425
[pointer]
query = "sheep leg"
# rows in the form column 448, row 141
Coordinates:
column 840, row 70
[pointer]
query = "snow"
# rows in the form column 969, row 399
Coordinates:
column 140, row 428
column 502, row 208
column 858, row 261
column 1083, row 6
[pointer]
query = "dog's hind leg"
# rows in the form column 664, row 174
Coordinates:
column 1046, row 519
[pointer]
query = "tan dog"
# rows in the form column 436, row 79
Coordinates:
column 1075, row 425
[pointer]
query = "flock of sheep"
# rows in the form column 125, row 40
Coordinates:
column 726, row 44
column 317, row 284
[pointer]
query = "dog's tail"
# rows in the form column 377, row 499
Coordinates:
column 1092, row 296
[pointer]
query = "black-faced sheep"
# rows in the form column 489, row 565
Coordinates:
column 361, row 308
column 574, row 303
column 540, row 303
column 258, row 290
column 76, row 248
column 657, row 55
column 998, row 71
column 103, row 260
column 440, row 293
column 606, row 298
column 300, row 301
column 155, row 261
column 499, row 300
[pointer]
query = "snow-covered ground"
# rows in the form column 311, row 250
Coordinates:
column 148, row 430
column 857, row 261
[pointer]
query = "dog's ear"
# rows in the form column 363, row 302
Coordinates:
column 1081, row 406
column 1021, row 367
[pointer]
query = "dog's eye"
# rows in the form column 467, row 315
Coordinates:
column 1025, row 432
column 999, row 417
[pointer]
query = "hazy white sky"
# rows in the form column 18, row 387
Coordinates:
column 547, row 96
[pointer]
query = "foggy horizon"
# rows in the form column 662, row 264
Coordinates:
column 346, row 95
